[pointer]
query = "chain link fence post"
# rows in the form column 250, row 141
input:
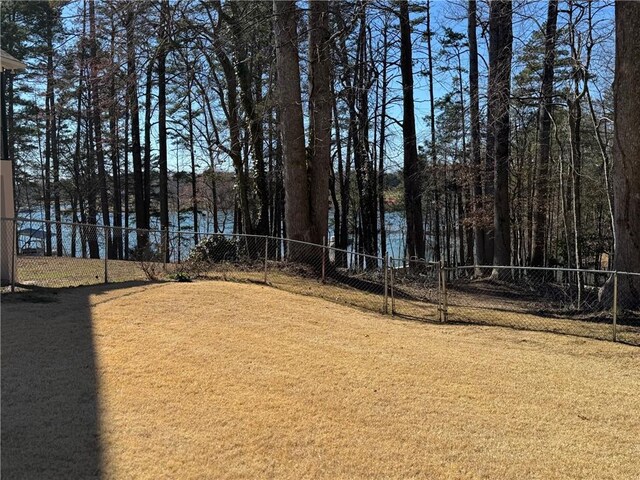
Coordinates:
column 179, row 241
column 164, row 232
column 324, row 257
column 386, row 284
column 439, row 289
column 105, row 231
column 615, row 305
column 444, row 312
column 266, row 257
column 393, row 298
column 14, row 253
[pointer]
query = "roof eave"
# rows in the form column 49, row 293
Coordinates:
column 8, row 62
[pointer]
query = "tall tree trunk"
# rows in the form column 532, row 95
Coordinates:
column 575, row 190
column 432, row 143
column 87, row 174
column 465, row 186
column 544, row 138
column 231, row 109
column 114, row 147
column 626, row 169
column 460, row 205
column 250, row 103
column 80, row 180
column 126, row 178
column 579, row 73
column 97, row 125
column 52, row 135
column 147, row 145
column 162, row 121
column 92, row 234
column 46, row 184
column 342, row 219
column 136, row 155
column 279, row 207
column 412, row 171
column 320, row 118
column 212, row 168
column 476, row 160
column 383, row 138
column 500, row 50
column 306, row 179
column 192, row 154
column 297, row 207
column 359, row 126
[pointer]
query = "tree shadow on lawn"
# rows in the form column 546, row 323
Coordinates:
column 50, row 422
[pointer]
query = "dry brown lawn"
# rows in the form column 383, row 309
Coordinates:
column 225, row 380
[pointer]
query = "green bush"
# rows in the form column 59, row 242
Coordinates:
column 216, row 249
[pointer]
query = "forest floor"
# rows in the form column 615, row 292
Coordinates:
column 222, row 380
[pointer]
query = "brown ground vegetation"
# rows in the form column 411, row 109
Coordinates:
column 223, row 380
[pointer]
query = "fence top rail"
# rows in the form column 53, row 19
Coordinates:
column 413, row 260
column 635, row 274
column 358, row 254
column 546, row 269
column 302, row 242
column 291, row 240
column 212, row 234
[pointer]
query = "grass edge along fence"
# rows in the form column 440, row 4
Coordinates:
column 570, row 301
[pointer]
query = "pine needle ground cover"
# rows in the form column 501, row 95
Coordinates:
column 224, row 380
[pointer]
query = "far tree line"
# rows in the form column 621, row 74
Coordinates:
column 497, row 117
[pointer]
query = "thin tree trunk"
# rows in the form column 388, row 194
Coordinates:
column 412, row 171
column 544, row 138
column 212, row 169
column 606, row 162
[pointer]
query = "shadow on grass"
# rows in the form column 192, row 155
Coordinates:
column 50, row 422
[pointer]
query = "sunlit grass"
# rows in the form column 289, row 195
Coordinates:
column 226, row 380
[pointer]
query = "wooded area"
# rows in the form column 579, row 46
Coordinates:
column 480, row 132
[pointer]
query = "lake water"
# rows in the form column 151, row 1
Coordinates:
column 31, row 223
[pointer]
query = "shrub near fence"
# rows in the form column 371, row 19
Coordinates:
column 554, row 300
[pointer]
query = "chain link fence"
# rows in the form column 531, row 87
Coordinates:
column 586, row 303
column 589, row 303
